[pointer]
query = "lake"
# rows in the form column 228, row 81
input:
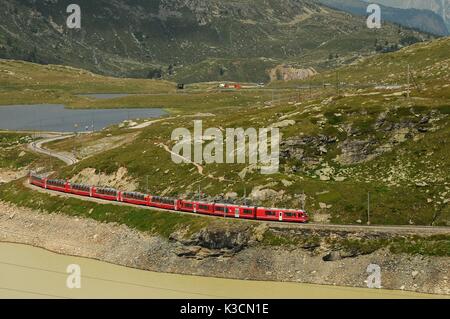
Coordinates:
column 30, row 272
column 57, row 118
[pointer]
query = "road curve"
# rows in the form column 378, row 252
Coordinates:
column 65, row 157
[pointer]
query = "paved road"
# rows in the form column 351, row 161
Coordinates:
column 67, row 158
column 404, row 230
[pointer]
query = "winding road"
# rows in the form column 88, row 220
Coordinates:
column 67, row 158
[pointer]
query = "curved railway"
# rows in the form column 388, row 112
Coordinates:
column 172, row 204
column 397, row 229
column 67, row 158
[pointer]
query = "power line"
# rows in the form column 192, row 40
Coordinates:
column 33, row 293
column 126, row 283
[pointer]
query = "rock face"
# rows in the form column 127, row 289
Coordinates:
column 119, row 179
column 357, row 151
column 441, row 8
column 432, row 17
column 286, row 72
column 294, row 148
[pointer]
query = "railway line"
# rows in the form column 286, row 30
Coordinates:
column 70, row 160
column 393, row 229
column 37, row 146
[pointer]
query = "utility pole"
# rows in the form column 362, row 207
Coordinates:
column 75, row 140
column 303, row 200
column 245, row 195
column 337, row 83
column 409, row 81
column 368, row 208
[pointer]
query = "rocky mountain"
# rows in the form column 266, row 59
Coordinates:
column 190, row 40
column 441, row 7
column 409, row 16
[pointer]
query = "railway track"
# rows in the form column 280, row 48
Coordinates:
column 70, row 160
column 65, row 157
column 395, row 229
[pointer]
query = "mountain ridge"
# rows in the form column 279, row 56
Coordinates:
column 190, row 40
column 416, row 18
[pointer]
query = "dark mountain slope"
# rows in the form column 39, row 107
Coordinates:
column 188, row 40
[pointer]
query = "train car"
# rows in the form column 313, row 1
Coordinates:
column 187, row 206
column 38, row 181
column 58, row 185
column 236, row 211
column 80, row 189
column 196, row 207
column 215, row 209
column 281, row 215
column 106, row 193
column 220, row 210
column 163, row 202
column 295, row 216
column 135, row 198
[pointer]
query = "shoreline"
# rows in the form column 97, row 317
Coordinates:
column 120, row 245
column 302, row 288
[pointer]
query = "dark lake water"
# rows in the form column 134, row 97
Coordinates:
column 56, row 118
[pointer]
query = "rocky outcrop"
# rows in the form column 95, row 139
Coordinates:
column 296, row 148
column 286, row 72
column 119, row 179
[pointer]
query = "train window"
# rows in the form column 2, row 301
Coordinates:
column 222, row 209
column 55, row 182
column 137, row 196
column 270, row 213
column 204, row 207
column 248, row 211
column 188, row 205
column 163, row 200
column 290, row 214
column 81, row 187
column 109, row 192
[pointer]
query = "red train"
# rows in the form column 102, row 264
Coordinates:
column 197, row 207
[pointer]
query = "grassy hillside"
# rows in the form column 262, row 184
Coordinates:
column 335, row 149
column 24, row 83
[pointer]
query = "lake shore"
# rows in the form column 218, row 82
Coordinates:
column 120, row 245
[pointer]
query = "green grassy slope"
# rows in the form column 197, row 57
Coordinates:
column 336, row 149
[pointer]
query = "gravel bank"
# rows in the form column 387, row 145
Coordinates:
column 236, row 255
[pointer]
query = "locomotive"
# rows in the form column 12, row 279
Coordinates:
column 167, row 203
